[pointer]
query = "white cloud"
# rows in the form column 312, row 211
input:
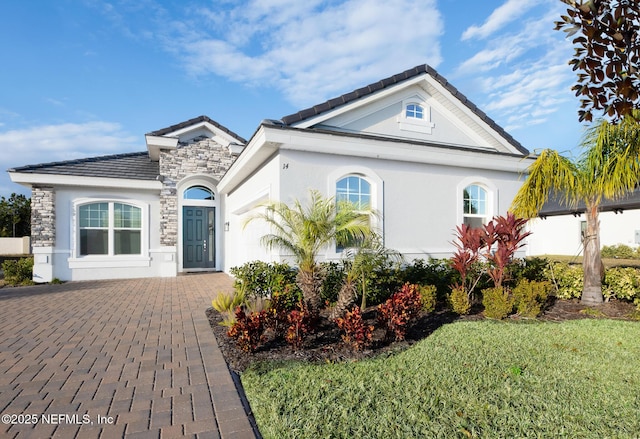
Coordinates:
column 500, row 17
column 311, row 50
column 525, row 77
column 47, row 143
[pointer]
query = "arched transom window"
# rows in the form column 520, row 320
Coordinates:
column 354, row 189
column 474, row 206
column 198, row 193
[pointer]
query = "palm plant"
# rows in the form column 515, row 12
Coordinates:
column 304, row 231
column 361, row 261
column 608, row 168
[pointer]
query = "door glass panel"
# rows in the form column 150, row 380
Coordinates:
column 211, row 236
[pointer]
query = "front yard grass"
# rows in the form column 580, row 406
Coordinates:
column 468, row 379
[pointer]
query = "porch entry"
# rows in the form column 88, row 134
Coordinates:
column 198, row 237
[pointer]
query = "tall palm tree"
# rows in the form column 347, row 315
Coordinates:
column 304, row 231
column 608, row 168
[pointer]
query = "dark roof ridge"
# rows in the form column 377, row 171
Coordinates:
column 195, row 120
column 393, row 80
column 79, row 161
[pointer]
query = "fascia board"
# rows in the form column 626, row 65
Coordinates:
column 358, row 103
column 399, row 151
column 259, row 148
column 28, row 179
column 157, row 143
column 161, row 141
column 212, row 128
column 473, row 116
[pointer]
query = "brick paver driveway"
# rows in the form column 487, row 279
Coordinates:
column 132, row 358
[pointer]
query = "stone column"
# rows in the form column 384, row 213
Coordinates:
column 43, row 231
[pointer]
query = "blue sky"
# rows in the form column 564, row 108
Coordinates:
column 84, row 78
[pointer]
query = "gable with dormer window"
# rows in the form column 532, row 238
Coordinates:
column 415, row 116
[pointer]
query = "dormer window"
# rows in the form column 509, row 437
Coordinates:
column 416, row 115
column 414, row 111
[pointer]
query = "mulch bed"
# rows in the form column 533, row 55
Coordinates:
column 326, row 345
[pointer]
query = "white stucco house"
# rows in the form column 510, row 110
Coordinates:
column 559, row 229
column 411, row 146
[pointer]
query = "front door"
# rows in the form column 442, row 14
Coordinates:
column 198, row 237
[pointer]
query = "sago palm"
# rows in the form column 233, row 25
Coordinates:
column 608, row 168
column 304, row 231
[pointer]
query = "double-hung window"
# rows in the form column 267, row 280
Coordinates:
column 110, row 228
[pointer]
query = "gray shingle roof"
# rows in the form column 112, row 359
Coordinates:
column 195, row 120
column 134, row 165
column 393, row 80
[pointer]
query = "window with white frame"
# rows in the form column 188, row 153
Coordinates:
column 198, row 193
column 414, row 111
column 109, row 228
column 355, row 190
column 474, row 206
column 415, row 115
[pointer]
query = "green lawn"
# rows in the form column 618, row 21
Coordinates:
column 577, row 379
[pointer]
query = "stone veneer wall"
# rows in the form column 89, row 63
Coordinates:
column 43, row 216
column 201, row 157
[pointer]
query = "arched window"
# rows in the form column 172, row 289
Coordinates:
column 414, row 111
column 354, row 189
column 474, row 206
column 198, row 193
column 110, row 228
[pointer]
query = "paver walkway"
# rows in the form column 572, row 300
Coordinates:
column 126, row 358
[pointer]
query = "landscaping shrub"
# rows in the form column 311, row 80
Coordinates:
column 355, row 333
column 248, row 329
column 261, row 279
column 400, row 310
column 619, row 251
column 566, row 280
column 428, row 297
column 334, row 275
column 18, row 272
column 436, row 272
column 529, row 297
column 459, row 301
column 226, row 303
column 532, row 268
column 299, row 326
column 621, row 283
column 497, row 302
column 382, row 281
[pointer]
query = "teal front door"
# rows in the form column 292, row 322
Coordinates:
column 198, row 237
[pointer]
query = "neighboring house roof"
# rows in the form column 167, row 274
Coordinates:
column 191, row 122
column 393, row 80
column 555, row 207
column 134, row 165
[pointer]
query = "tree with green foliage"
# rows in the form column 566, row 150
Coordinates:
column 608, row 168
column 606, row 34
column 304, row 231
column 15, row 216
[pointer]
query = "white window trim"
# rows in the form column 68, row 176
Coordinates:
column 209, row 183
column 377, row 198
column 491, row 203
column 413, row 124
column 110, row 260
